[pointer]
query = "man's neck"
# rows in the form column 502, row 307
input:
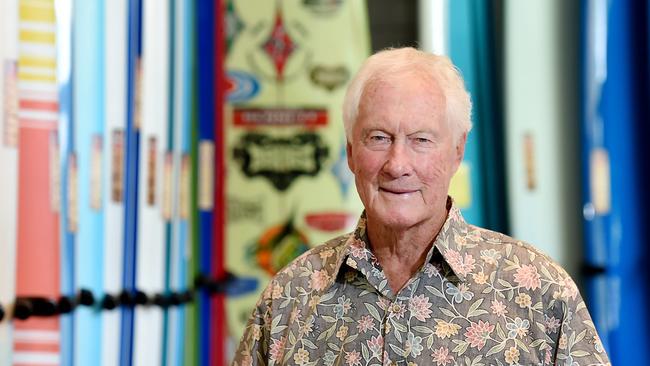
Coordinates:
column 402, row 251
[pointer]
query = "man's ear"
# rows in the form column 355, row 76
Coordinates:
column 460, row 149
column 348, row 150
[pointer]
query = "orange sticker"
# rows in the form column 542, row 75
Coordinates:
column 600, row 181
column 167, row 187
column 73, row 207
column 529, row 162
column 10, row 104
column 151, row 172
column 206, row 175
column 117, row 163
column 96, row 173
column 184, row 189
column 137, row 103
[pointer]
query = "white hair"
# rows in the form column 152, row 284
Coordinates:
column 438, row 69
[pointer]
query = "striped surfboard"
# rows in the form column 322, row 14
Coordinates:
column 154, row 211
column 37, row 340
column 115, row 13
column 9, row 163
column 88, row 101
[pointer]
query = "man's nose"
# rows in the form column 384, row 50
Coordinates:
column 399, row 162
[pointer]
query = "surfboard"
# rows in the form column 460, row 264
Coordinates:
column 614, row 107
column 462, row 31
column 191, row 344
column 178, row 258
column 36, row 341
column 88, row 101
column 218, row 355
column 9, row 162
column 287, row 67
column 66, row 149
column 152, row 212
column 115, row 66
column 131, row 173
column 541, row 136
column 205, row 22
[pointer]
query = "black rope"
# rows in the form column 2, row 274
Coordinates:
column 26, row 307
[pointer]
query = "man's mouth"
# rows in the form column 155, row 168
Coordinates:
column 397, row 190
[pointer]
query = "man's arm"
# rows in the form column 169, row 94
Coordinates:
column 578, row 342
column 254, row 346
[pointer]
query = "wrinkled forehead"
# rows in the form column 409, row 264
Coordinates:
column 403, row 81
column 410, row 85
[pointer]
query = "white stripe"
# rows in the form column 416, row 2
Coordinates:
column 38, row 96
column 37, row 115
column 49, row 71
column 37, row 86
column 37, row 26
column 37, row 49
column 36, row 335
column 37, row 358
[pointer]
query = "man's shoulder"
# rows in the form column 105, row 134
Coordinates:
column 517, row 257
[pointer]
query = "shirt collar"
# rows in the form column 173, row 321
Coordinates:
column 451, row 243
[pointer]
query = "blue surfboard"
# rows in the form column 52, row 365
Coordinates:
column 615, row 96
column 205, row 31
column 131, row 174
column 88, row 102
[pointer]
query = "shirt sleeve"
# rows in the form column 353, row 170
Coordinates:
column 254, row 346
column 578, row 342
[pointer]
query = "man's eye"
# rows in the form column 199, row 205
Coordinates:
column 379, row 138
column 422, row 140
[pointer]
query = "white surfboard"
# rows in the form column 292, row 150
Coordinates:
column 115, row 19
column 151, row 216
column 8, row 162
column 541, row 127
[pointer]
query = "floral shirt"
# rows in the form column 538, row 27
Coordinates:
column 481, row 298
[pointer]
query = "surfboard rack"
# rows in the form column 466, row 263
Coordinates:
column 25, row 307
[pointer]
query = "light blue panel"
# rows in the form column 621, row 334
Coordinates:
column 462, row 53
column 88, row 100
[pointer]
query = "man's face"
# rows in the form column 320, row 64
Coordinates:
column 402, row 152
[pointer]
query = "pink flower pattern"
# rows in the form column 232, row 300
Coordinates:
column 478, row 333
column 528, row 277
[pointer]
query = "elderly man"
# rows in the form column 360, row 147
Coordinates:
column 414, row 284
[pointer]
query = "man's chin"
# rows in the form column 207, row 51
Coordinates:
column 395, row 220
